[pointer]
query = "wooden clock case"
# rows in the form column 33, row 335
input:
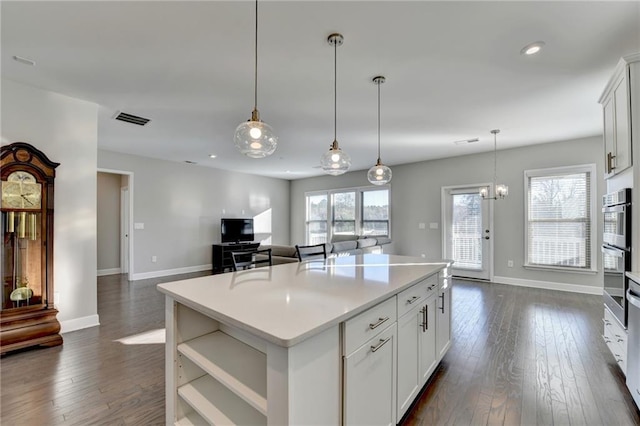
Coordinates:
column 29, row 319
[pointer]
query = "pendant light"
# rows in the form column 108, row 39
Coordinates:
column 254, row 138
column 335, row 161
column 379, row 174
column 499, row 190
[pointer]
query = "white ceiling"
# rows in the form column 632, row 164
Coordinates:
column 454, row 71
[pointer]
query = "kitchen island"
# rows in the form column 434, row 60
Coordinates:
column 349, row 340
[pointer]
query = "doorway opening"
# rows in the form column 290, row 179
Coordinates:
column 115, row 213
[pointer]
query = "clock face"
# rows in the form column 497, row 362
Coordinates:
column 21, row 191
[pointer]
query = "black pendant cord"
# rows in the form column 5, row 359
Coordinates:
column 379, row 122
column 255, row 76
column 335, row 90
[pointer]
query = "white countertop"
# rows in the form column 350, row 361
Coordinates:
column 634, row 276
column 286, row 304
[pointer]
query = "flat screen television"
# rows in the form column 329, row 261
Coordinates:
column 236, row 230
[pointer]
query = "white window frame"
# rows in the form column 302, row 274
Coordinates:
column 329, row 193
column 565, row 170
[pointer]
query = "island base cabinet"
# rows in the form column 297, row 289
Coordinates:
column 428, row 359
column 416, row 352
column 219, row 374
column 370, row 382
column 443, row 321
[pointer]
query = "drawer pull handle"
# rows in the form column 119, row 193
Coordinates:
column 620, row 340
column 413, row 299
column 379, row 323
column 379, row 345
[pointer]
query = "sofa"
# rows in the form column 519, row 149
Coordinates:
column 340, row 245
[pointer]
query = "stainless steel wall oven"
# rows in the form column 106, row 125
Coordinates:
column 616, row 255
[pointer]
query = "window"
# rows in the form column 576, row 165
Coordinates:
column 560, row 211
column 344, row 213
column 317, row 218
column 375, row 212
column 353, row 211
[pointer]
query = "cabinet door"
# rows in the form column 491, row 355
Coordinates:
column 622, row 133
column 409, row 337
column 428, row 358
column 609, row 136
column 370, row 382
column 443, row 322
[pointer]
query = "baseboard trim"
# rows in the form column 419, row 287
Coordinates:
column 111, row 271
column 549, row 285
column 79, row 323
column 168, row 272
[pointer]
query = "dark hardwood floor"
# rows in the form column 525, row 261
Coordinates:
column 518, row 356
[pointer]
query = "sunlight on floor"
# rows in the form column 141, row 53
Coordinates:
column 151, row 337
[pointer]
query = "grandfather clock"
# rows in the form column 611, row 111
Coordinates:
column 27, row 314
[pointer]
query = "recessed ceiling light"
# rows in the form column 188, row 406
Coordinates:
column 532, row 48
column 212, row 156
column 25, row 61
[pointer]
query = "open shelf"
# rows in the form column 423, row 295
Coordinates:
column 191, row 419
column 217, row 405
column 234, row 364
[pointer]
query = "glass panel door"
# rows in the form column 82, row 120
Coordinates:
column 467, row 233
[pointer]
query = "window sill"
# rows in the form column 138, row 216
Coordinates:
column 561, row 269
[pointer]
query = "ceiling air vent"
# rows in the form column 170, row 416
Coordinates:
column 129, row 118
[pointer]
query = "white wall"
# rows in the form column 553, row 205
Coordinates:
column 65, row 129
column 108, row 221
column 415, row 198
column 181, row 205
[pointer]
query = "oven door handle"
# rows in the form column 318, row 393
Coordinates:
column 612, row 251
column 614, row 209
column 633, row 298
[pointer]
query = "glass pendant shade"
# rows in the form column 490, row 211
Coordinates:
column 379, row 174
column 502, row 190
column 255, row 138
column 335, row 161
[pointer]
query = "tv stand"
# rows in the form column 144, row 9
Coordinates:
column 221, row 254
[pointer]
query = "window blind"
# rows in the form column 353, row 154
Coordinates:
column 559, row 220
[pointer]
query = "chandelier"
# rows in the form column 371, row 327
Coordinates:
column 500, row 190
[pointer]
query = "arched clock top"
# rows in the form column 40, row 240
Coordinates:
column 21, row 155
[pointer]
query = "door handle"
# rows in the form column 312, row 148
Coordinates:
column 379, row 345
column 379, row 323
column 633, row 298
column 442, row 308
column 610, row 166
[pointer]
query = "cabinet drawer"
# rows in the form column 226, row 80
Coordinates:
column 368, row 324
column 615, row 336
column 411, row 297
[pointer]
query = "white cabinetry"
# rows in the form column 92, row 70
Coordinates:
column 370, row 366
column 416, row 340
column 370, row 381
column 615, row 336
column 219, row 379
column 443, row 314
column 616, row 104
